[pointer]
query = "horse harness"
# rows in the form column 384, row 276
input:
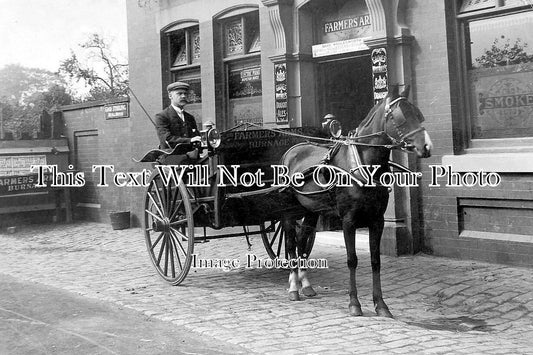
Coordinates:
column 398, row 123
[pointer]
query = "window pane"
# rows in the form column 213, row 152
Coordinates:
column 195, row 45
column 245, row 102
column 234, row 38
column 472, row 5
column 501, row 76
column 501, row 41
column 178, row 49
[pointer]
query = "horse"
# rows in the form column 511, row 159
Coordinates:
column 391, row 124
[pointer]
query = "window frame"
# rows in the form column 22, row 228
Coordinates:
column 470, row 144
column 246, row 58
column 191, row 69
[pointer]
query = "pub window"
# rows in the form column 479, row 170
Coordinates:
column 242, row 62
column 184, row 47
column 181, row 62
column 241, row 35
column 498, row 37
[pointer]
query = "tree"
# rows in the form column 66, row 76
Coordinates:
column 25, row 93
column 98, row 68
column 503, row 53
column 17, row 83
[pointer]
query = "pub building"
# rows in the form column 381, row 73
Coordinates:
column 288, row 63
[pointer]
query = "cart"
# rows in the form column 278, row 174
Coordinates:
column 220, row 190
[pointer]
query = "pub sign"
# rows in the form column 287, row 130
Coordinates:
column 280, row 80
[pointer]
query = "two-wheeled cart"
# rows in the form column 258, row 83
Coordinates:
column 229, row 185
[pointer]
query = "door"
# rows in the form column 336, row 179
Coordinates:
column 346, row 90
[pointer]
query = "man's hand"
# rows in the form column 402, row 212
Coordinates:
column 196, row 139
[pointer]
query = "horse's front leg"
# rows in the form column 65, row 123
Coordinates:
column 290, row 247
column 308, row 228
column 349, row 240
column 375, row 231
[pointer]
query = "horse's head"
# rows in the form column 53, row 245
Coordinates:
column 404, row 123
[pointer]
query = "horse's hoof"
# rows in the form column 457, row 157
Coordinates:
column 294, row 296
column 356, row 311
column 308, row 291
column 384, row 312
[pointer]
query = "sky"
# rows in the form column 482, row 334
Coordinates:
column 40, row 33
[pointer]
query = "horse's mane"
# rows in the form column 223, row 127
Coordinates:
column 366, row 122
column 381, row 105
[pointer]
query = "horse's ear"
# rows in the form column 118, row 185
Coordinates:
column 387, row 103
column 393, row 91
column 405, row 92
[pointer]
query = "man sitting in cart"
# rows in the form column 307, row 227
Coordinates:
column 175, row 126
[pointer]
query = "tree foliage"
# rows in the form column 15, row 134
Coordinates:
column 98, row 69
column 25, row 93
column 502, row 53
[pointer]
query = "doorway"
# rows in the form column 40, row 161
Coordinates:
column 346, row 90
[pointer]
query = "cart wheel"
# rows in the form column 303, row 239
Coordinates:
column 273, row 235
column 169, row 229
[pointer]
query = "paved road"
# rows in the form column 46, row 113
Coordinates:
column 36, row 319
column 440, row 305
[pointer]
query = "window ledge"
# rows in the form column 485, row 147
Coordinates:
column 492, row 160
column 505, row 237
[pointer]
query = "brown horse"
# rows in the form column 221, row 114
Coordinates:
column 393, row 123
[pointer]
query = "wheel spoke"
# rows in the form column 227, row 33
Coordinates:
column 281, row 234
column 168, row 192
column 157, row 241
column 276, row 233
column 166, row 255
column 154, row 215
column 179, row 222
column 173, row 206
column 161, row 251
column 178, row 235
column 154, row 203
column 171, row 251
column 176, row 209
column 174, row 241
column 159, row 197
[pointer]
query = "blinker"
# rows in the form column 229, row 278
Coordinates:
column 398, row 118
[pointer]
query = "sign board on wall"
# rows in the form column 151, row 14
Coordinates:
column 17, row 184
column 12, row 165
column 379, row 73
column 15, row 174
column 118, row 110
column 245, row 82
column 343, row 27
column 280, row 80
column 339, row 21
column 340, row 47
column 502, row 100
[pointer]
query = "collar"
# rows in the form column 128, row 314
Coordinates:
column 177, row 109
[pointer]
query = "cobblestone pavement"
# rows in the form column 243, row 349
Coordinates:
column 440, row 305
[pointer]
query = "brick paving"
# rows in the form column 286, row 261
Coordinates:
column 441, row 306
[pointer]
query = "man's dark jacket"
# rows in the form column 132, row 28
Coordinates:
column 171, row 130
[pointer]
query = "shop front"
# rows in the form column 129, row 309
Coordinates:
column 288, row 63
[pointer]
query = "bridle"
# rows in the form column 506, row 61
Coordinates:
column 398, row 122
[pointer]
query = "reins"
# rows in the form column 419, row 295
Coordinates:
column 347, row 141
column 352, row 141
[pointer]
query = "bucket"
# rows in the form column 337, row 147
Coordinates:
column 120, row 219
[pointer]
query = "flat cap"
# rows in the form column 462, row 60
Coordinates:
column 177, row 85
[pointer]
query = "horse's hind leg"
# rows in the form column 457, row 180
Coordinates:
column 349, row 240
column 290, row 247
column 308, row 227
column 375, row 232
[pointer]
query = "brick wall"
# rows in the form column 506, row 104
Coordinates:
column 94, row 140
column 455, row 219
